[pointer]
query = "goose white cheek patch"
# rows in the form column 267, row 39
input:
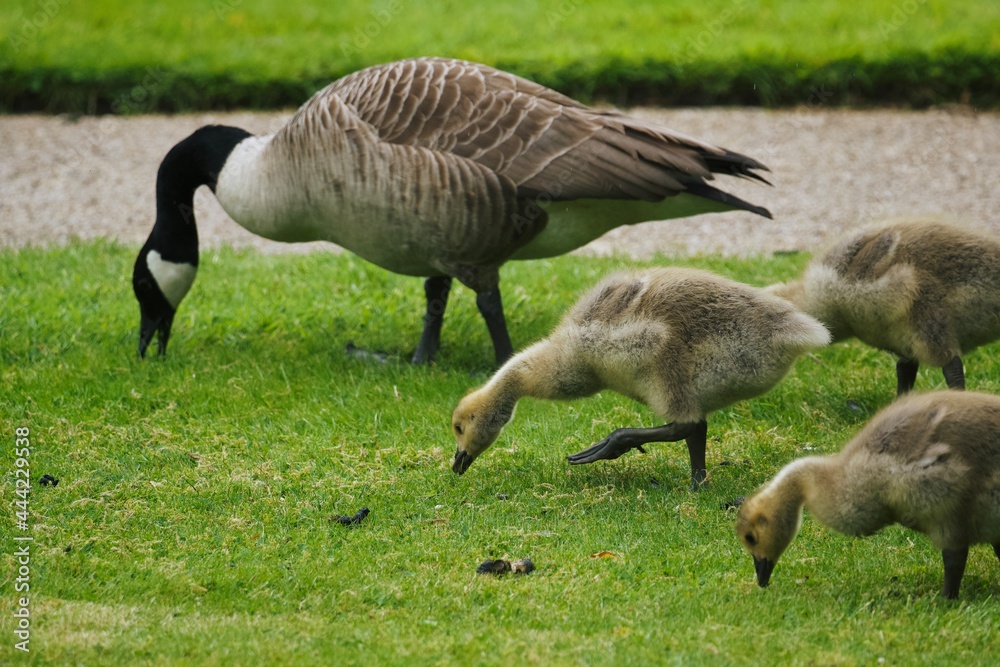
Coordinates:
column 173, row 278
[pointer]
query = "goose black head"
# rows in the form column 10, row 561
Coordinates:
column 166, row 265
column 159, row 285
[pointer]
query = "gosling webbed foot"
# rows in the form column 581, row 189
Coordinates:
column 623, row 440
column 617, row 443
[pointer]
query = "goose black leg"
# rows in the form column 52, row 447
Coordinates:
column 436, row 289
column 906, row 375
column 625, row 439
column 996, row 550
column 954, row 374
column 954, row 568
column 491, row 308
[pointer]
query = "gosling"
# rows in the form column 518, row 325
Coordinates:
column 925, row 290
column 930, row 462
column 682, row 341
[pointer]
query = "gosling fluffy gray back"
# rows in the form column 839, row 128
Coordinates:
column 926, row 290
column 685, row 342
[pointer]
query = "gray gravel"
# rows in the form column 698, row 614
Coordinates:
column 62, row 179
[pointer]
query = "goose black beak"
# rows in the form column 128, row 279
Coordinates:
column 462, row 461
column 764, row 568
column 150, row 326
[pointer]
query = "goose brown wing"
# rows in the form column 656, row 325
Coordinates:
column 542, row 140
column 329, row 150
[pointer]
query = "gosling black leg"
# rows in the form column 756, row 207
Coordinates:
column 491, row 308
column 436, row 289
column 696, row 452
column 954, row 568
column 626, row 439
column 906, row 375
column 954, row 374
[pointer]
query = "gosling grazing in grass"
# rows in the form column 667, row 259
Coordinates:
column 430, row 167
column 930, row 462
column 682, row 341
column 925, row 290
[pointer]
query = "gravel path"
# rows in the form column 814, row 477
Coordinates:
column 832, row 170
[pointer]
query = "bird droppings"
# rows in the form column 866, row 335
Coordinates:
column 362, row 354
column 734, row 503
column 503, row 496
column 501, row 566
column 351, row 520
column 48, row 480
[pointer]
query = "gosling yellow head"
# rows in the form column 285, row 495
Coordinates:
column 765, row 529
column 476, row 422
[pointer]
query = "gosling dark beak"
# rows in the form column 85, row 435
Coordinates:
column 150, row 326
column 462, row 461
column 764, row 568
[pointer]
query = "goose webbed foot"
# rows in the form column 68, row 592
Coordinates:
column 436, row 289
column 954, row 568
column 954, row 374
column 623, row 440
column 906, row 375
column 491, row 308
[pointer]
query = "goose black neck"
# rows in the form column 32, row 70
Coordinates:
column 194, row 162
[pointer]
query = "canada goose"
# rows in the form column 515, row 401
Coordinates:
column 926, row 290
column 430, row 167
column 682, row 341
column 930, row 462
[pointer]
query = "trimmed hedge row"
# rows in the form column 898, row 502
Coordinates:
column 917, row 79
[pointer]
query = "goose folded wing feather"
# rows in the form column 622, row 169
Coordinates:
column 472, row 230
column 543, row 141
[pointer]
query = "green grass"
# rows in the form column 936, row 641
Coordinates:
column 114, row 55
column 191, row 521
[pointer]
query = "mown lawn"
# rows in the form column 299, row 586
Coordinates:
column 115, row 55
column 191, row 522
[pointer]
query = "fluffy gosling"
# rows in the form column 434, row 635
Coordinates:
column 925, row 290
column 930, row 462
column 682, row 341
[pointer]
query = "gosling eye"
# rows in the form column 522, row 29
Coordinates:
column 458, row 428
column 750, row 539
